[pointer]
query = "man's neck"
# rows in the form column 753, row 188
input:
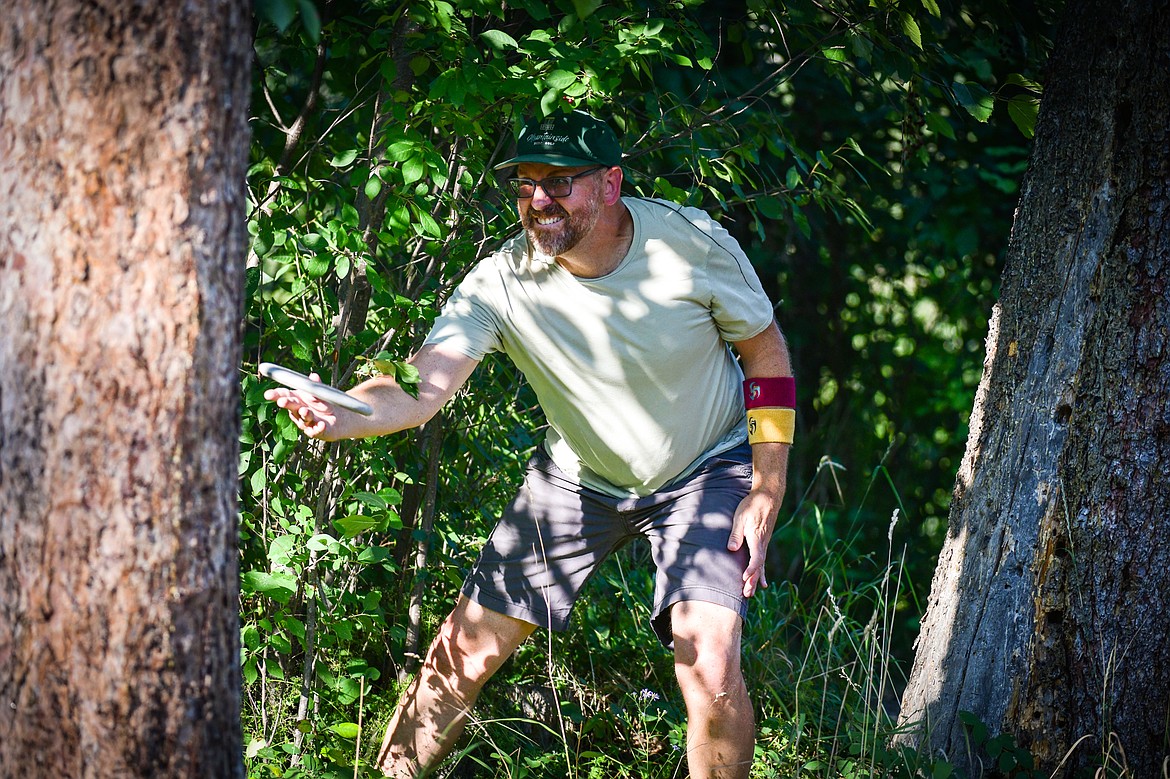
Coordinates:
column 605, row 247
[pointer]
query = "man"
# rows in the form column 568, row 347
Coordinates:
column 619, row 312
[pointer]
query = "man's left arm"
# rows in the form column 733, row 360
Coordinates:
column 763, row 356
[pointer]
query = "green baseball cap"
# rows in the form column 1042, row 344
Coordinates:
column 566, row 140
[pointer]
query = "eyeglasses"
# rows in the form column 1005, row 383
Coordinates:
column 554, row 186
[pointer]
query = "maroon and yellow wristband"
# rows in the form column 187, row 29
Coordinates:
column 771, row 412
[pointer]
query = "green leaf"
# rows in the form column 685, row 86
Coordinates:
column 355, row 524
column 349, row 689
column 280, row 551
column 429, row 225
column 407, row 377
column 278, row 586
column 413, row 170
column 280, row 12
column 792, row 178
column 978, row 729
column 320, row 542
column 373, row 554
column 1024, row 110
column 336, row 755
column 862, row 46
column 311, row 19
column 344, row 158
column 373, row 187
column 978, row 102
column 911, row 30
column 1022, row 81
column 316, row 265
column 801, row 221
column 771, row 207
column 251, row 282
column 560, row 79
column 549, row 101
column 834, row 53
column 346, row 729
column 293, row 625
column 258, row 482
column 586, row 8
column 372, row 500
column 940, row 125
column 498, row 39
column 932, row 8
column 401, row 150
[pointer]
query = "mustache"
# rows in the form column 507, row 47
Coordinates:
column 553, row 209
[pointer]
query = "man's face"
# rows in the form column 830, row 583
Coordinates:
column 556, row 225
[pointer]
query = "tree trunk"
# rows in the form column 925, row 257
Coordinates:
column 1049, row 616
column 123, row 150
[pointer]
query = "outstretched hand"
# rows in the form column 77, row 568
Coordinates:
column 312, row 415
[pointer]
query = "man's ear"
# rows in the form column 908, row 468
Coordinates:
column 613, row 185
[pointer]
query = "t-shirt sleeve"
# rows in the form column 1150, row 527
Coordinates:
column 469, row 322
column 739, row 305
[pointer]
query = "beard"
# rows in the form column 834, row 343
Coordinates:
column 558, row 238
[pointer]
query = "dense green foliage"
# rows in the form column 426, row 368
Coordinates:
column 865, row 155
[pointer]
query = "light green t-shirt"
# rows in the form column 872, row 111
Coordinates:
column 632, row 369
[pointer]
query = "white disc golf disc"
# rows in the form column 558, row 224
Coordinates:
column 317, row 389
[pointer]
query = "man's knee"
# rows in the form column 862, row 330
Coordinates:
column 472, row 644
column 707, row 650
column 457, row 666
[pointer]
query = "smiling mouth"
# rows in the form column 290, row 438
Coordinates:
column 545, row 221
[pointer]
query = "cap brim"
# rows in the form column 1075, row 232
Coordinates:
column 559, row 160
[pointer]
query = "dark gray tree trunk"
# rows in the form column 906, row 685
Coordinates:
column 123, row 150
column 1049, row 616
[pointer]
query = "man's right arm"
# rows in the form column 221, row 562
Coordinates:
column 441, row 373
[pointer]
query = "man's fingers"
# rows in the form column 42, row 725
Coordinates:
column 753, row 575
column 749, row 583
column 735, row 540
column 310, row 414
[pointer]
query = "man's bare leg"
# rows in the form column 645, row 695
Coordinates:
column 471, row 645
column 721, row 733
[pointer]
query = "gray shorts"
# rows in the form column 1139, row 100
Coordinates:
column 556, row 533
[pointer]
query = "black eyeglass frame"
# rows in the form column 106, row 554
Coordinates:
column 550, row 185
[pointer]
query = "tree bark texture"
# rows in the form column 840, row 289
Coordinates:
column 1049, row 615
column 123, row 151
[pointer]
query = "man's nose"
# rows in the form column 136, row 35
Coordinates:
column 540, row 198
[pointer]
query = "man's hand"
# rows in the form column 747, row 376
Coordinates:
column 313, row 416
column 754, row 521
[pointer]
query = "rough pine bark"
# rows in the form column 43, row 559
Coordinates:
column 123, row 150
column 1049, row 615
